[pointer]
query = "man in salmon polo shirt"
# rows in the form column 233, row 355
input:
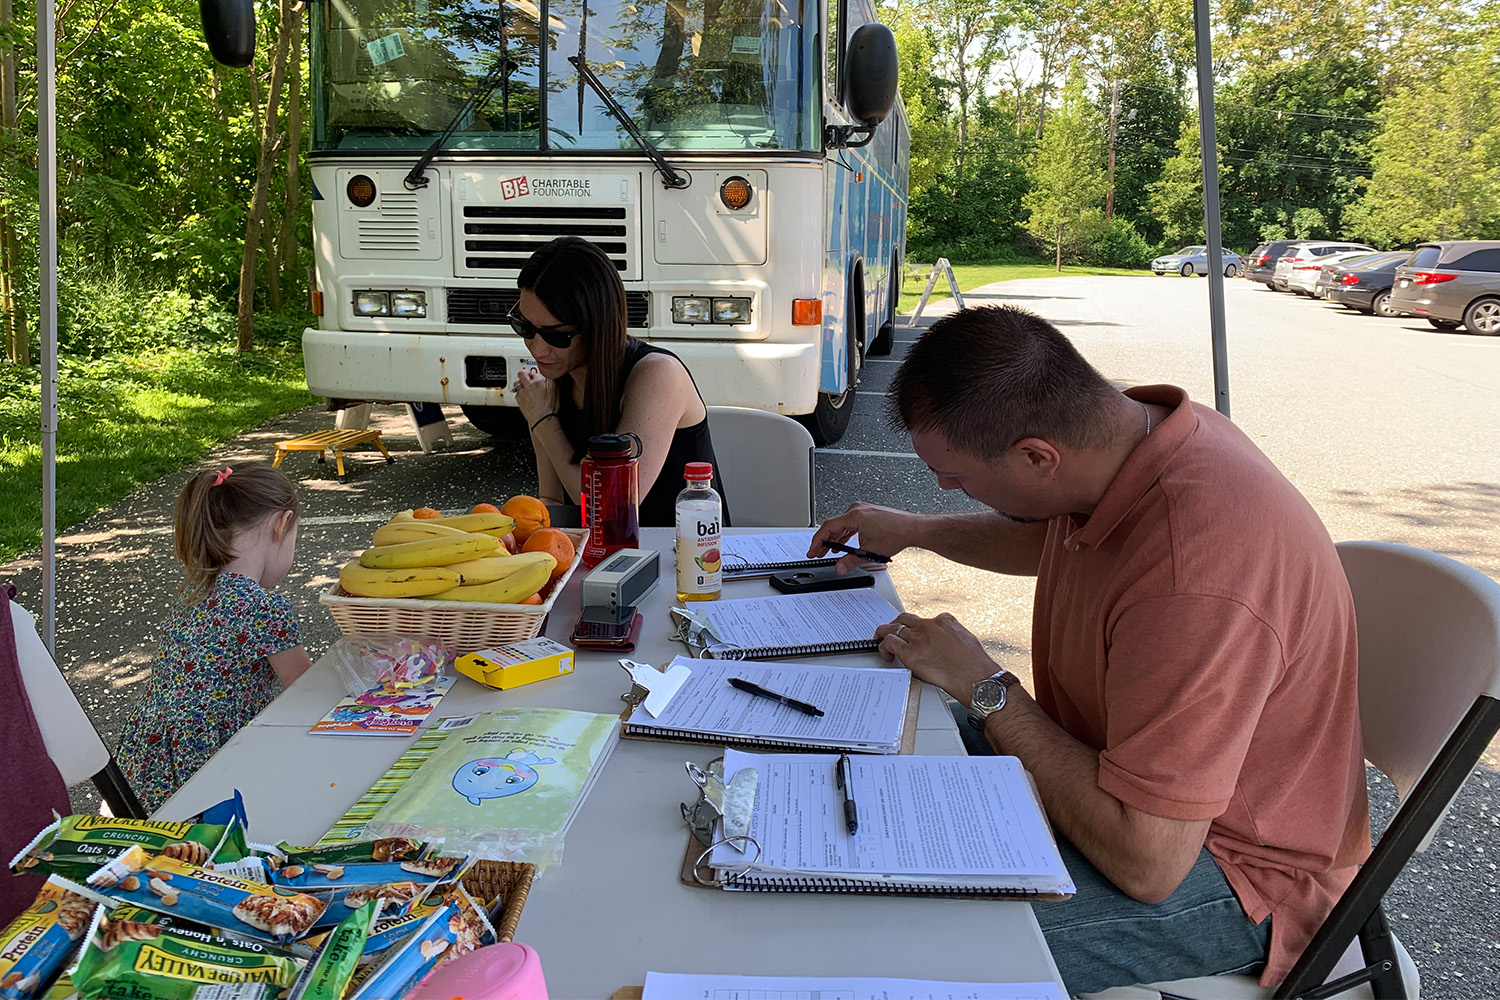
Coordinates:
column 1194, row 727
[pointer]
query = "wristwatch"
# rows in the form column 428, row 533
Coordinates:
column 989, row 696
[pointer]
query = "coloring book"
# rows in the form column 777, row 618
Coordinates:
column 390, row 710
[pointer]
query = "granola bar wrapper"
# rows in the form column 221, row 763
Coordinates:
column 309, row 875
column 239, row 907
column 393, row 900
column 390, row 849
column 38, row 943
column 328, row 975
column 128, row 960
column 410, row 961
column 74, row 846
column 389, row 932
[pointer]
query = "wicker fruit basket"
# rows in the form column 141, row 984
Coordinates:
column 502, row 882
column 463, row 626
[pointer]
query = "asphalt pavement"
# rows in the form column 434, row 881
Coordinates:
column 1388, row 426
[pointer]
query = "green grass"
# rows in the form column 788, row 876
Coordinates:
column 973, row 275
column 124, row 420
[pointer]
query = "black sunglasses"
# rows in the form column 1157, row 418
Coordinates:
column 526, row 329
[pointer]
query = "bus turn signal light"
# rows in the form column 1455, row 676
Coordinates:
column 807, row 312
column 735, row 193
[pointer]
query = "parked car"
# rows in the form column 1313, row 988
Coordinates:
column 1452, row 282
column 1303, row 278
column 1194, row 260
column 1261, row 264
column 1365, row 285
column 1301, row 253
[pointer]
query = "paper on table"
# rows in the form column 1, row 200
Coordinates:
column 793, row 620
column 759, row 552
column 939, row 820
column 862, row 706
column 687, row 986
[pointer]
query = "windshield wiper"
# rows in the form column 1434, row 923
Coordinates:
column 670, row 178
column 504, row 66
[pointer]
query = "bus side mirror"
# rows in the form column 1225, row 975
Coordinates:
column 229, row 29
column 873, row 72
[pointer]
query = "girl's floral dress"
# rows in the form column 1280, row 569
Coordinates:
column 208, row 680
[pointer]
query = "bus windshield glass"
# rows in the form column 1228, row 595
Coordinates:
column 692, row 74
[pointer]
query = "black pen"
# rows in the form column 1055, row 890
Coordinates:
column 864, row 554
column 846, row 785
column 752, row 688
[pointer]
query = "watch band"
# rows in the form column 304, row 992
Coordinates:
column 978, row 714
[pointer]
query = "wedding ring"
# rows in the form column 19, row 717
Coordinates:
column 903, row 625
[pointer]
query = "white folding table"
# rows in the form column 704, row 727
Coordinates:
column 615, row 908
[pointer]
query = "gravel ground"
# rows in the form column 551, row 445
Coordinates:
column 1388, row 426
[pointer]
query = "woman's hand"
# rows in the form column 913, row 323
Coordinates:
column 536, row 395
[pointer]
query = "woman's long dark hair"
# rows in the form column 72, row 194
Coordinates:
column 581, row 287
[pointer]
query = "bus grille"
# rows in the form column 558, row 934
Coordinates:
column 395, row 228
column 503, row 237
column 490, row 306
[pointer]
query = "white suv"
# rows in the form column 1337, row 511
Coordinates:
column 1299, row 253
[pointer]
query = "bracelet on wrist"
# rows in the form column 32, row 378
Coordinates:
column 541, row 420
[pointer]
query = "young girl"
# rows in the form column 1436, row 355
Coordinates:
column 592, row 378
column 231, row 645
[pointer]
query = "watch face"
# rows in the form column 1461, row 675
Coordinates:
column 989, row 694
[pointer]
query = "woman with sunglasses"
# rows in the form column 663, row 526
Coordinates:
column 592, row 378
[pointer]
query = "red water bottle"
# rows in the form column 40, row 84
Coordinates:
column 611, row 495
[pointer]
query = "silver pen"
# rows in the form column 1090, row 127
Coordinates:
column 845, row 777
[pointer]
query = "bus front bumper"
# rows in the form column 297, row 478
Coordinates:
column 478, row 370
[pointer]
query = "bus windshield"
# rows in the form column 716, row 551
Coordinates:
column 692, row 74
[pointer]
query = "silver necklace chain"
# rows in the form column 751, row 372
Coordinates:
column 1147, row 410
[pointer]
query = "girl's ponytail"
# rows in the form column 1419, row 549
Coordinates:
column 214, row 508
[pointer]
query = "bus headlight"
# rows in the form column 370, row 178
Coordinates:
column 372, row 303
column 412, row 305
column 733, row 310
column 692, row 309
column 735, row 193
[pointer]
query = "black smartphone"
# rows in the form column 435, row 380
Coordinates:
column 806, row 581
column 601, row 631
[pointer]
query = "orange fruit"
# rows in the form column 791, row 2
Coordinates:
column 555, row 542
column 484, row 508
column 426, row 513
column 533, row 599
column 530, row 514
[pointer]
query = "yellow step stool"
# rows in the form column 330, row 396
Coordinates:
column 324, row 441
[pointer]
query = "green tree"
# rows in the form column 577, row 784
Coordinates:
column 932, row 139
column 1067, row 176
column 1176, row 197
column 1436, row 167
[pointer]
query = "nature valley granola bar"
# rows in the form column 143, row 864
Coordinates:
column 127, row 959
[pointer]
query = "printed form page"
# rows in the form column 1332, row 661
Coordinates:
column 682, row 986
column 800, row 619
column 861, row 705
column 964, row 820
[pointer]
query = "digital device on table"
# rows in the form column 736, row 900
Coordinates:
column 608, row 628
column 816, row 578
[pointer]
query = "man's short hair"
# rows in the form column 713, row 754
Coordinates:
column 987, row 377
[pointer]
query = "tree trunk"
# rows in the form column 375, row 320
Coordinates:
column 1059, row 248
column 269, row 144
column 17, row 340
column 286, row 243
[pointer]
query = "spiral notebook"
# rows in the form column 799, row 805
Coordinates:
column 959, row 826
column 755, row 628
column 761, row 554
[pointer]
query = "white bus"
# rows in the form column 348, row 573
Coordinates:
column 724, row 153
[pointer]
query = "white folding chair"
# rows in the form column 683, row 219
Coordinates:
column 71, row 740
column 766, row 460
column 1429, row 704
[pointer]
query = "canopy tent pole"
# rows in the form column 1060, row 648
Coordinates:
column 46, row 162
column 1210, row 144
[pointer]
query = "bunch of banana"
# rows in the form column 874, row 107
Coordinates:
column 505, row 579
column 482, row 523
column 442, row 550
column 415, row 581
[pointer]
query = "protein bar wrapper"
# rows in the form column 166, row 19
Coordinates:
column 37, row 944
column 327, row 976
column 406, row 964
column 128, row 959
column 321, row 875
column 389, row 849
column 73, row 846
column 395, row 900
column 238, row 906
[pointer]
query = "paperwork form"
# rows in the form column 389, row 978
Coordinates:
column 682, row 986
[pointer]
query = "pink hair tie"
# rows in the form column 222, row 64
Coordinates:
column 219, row 477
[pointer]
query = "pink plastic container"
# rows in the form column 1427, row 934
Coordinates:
column 504, row 971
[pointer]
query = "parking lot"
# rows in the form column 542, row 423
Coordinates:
column 1387, row 425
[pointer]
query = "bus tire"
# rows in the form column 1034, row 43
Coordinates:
column 881, row 345
column 830, row 418
column 497, row 421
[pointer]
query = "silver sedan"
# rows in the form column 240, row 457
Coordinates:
column 1194, row 260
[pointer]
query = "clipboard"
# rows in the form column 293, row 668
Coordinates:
column 907, row 744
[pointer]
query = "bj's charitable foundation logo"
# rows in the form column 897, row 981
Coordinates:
column 514, row 187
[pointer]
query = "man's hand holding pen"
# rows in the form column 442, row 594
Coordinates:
column 879, row 529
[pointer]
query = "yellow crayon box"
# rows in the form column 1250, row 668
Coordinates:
column 517, row 663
